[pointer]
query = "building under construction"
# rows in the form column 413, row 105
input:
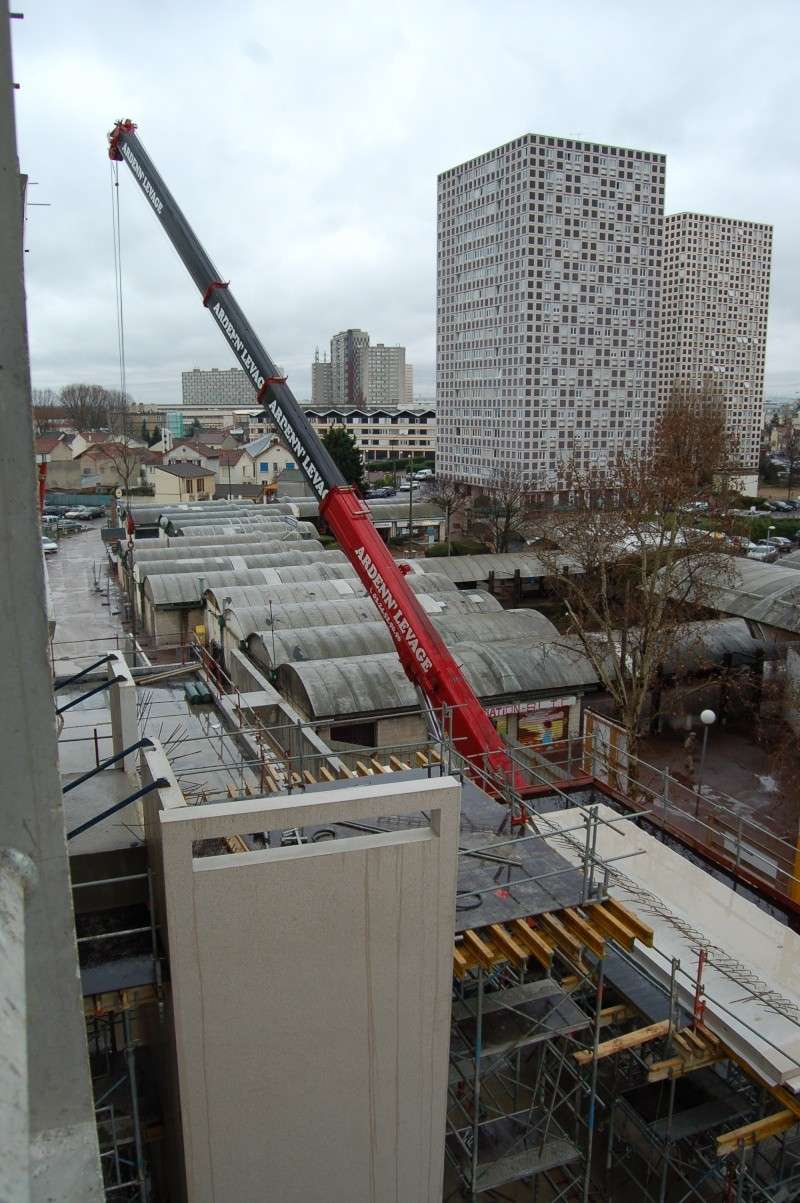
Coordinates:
column 320, row 959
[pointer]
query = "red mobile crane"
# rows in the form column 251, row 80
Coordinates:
column 423, row 654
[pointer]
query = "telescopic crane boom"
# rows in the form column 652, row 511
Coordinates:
column 423, row 654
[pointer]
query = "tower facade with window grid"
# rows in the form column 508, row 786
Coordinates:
column 714, row 321
column 548, row 292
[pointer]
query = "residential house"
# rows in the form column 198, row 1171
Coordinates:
column 115, row 465
column 89, row 438
column 180, row 483
column 257, row 463
column 62, row 470
column 192, row 451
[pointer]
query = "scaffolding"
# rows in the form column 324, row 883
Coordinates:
column 573, row 1074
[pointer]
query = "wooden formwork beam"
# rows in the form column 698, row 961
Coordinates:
column 630, row 920
column 619, row 1044
column 752, row 1134
column 611, row 926
column 580, row 926
column 557, row 934
column 515, row 951
column 398, row 765
column 483, row 952
column 619, row 1013
column 533, row 941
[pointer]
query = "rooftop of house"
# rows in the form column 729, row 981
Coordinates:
column 187, row 471
column 45, row 443
column 228, row 457
column 259, row 445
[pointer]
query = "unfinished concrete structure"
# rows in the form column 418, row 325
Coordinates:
column 374, row 1029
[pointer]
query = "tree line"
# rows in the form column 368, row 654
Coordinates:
column 84, row 406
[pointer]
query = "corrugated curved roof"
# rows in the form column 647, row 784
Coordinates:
column 303, row 530
column 377, row 684
column 338, row 688
column 277, row 645
column 172, row 523
column 768, row 594
column 427, row 589
column 185, row 549
column 181, row 589
column 242, row 621
column 499, row 669
column 478, row 568
column 249, row 596
column 145, row 566
column 383, row 507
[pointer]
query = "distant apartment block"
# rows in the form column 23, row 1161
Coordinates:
column 348, row 367
column 409, row 385
column 321, row 380
column 386, row 375
column 383, row 432
column 548, row 282
column 217, row 386
column 361, row 373
column 714, row 320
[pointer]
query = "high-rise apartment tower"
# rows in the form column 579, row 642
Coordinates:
column 714, row 321
column 386, row 375
column 321, row 380
column 548, row 282
column 349, row 367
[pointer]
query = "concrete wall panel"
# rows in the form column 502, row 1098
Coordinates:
column 312, row 998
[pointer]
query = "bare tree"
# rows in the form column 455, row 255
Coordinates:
column 86, row 405
column 43, row 401
column 790, row 446
column 642, row 565
column 123, row 450
column 693, row 444
column 451, row 495
column 501, row 514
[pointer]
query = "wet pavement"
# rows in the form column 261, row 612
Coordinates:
column 86, row 603
column 737, row 774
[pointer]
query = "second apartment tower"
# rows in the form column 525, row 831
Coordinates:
column 548, row 289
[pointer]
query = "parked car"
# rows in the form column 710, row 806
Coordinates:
column 71, row 524
column 783, row 507
column 48, row 546
column 424, row 474
column 404, row 488
column 767, row 555
column 384, row 491
column 779, row 541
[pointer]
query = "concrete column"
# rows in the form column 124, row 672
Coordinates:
column 64, row 1162
column 124, row 718
column 16, row 874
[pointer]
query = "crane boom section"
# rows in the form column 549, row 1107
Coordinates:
column 271, row 390
column 426, row 660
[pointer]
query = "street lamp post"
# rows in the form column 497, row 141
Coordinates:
column 707, row 718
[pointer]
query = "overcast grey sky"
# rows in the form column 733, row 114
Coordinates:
column 303, row 141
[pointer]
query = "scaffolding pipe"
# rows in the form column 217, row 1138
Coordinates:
column 62, row 682
column 130, row 1057
column 142, row 743
column 161, row 783
column 98, row 689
